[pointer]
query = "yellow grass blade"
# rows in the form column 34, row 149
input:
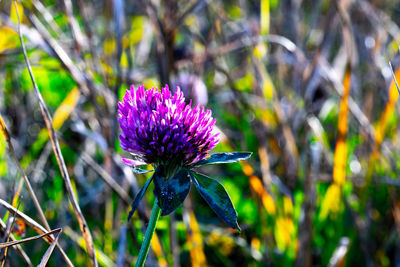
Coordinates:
column 388, row 111
column 331, row 202
column 195, row 241
column 265, row 18
column 156, row 246
column 380, row 128
column 339, row 160
column 13, row 12
column 9, row 38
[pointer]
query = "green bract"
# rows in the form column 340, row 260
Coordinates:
column 171, row 189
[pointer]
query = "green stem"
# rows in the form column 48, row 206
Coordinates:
column 151, row 227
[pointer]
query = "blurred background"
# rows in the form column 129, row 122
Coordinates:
column 304, row 84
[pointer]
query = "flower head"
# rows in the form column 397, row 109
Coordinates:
column 160, row 128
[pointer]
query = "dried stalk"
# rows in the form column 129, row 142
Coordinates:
column 60, row 159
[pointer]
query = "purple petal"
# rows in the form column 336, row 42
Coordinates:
column 132, row 162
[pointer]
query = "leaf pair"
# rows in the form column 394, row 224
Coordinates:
column 172, row 191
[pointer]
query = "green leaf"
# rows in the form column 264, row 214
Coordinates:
column 217, row 197
column 219, row 158
column 171, row 192
column 138, row 198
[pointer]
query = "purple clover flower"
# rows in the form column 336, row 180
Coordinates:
column 161, row 129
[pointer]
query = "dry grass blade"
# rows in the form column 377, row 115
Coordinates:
column 339, row 256
column 380, row 130
column 8, row 236
column 28, row 220
column 195, row 240
column 6, row 135
column 290, row 140
column 48, row 17
column 158, row 251
column 81, row 78
column 332, row 199
column 17, row 248
column 12, row 243
column 339, row 169
column 330, row 74
column 258, row 187
column 47, row 255
column 76, row 74
column 60, row 159
column 265, row 167
column 35, row 226
column 381, row 126
column 107, row 178
column 49, row 239
column 21, row 170
column 394, row 78
column 256, row 183
column 104, row 259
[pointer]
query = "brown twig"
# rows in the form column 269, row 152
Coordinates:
column 47, row 255
column 13, row 243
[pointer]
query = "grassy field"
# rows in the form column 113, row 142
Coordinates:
column 304, row 85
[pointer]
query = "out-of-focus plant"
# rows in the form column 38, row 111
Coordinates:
column 160, row 129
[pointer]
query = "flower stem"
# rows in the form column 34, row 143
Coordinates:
column 151, row 227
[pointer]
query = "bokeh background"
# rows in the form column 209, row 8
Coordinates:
column 304, row 84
